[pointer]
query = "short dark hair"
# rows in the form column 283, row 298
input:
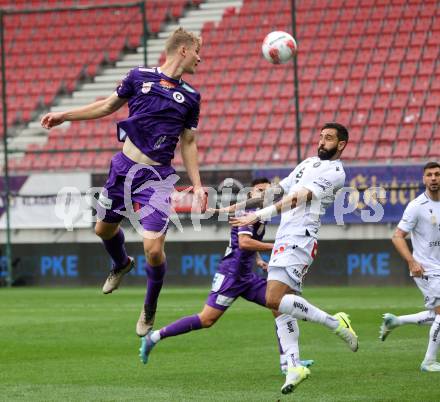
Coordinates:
column 260, row 180
column 342, row 132
column 431, row 165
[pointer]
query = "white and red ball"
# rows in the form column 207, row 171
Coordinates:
column 278, row 47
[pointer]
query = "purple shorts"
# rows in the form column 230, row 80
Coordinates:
column 153, row 201
column 226, row 288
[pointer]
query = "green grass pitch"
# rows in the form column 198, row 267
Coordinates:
column 80, row 345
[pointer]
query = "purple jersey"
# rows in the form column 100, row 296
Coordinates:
column 160, row 108
column 241, row 262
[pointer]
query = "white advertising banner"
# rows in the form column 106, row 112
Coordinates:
column 46, row 200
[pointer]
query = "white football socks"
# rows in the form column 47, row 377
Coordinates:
column 155, row 336
column 288, row 333
column 422, row 318
column 434, row 341
column 300, row 308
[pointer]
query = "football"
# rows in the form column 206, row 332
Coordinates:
column 278, row 47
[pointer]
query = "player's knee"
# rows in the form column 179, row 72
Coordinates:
column 154, row 253
column 155, row 256
column 104, row 232
column 272, row 301
column 207, row 321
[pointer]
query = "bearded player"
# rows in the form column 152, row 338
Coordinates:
column 302, row 197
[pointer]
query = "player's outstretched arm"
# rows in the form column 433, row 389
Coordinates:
column 267, row 197
column 246, row 242
column 285, row 204
column 94, row 110
column 402, row 248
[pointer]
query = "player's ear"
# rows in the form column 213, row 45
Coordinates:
column 341, row 145
column 183, row 50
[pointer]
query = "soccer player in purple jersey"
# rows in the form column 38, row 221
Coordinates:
column 234, row 278
column 162, row 109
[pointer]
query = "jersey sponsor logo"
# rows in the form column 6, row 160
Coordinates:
column 323, row 183
column 178, row 97
column 434, row 243
column 104, row 201
column 167, row 84
column 319, row 185
column 146, row 87
column 224, row 300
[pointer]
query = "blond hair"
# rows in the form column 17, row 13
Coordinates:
column 181, row 37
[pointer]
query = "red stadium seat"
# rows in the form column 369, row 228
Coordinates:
column 253, row 138
column 383, row 150
column 247, row 154
column 401, row 151
column 213, row 157
column 270, row 137
column 230, row 156
column 419, row 149
column 371, row 64
column 424, row 132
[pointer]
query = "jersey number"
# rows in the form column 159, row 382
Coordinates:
column 300, row 173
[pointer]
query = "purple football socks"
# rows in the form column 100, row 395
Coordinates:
column 182, row 326
column 155, row 277
column 116, row 248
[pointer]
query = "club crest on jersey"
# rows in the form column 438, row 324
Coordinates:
column 178, row 97
column 146, row 87
column 167, row 84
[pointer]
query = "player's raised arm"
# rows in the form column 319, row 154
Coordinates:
column 285, row 204
column 267, row 197
column 402, row 248
column 93, row 110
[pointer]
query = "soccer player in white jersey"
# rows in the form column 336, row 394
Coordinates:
column 422, row 219
column 301, row 198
